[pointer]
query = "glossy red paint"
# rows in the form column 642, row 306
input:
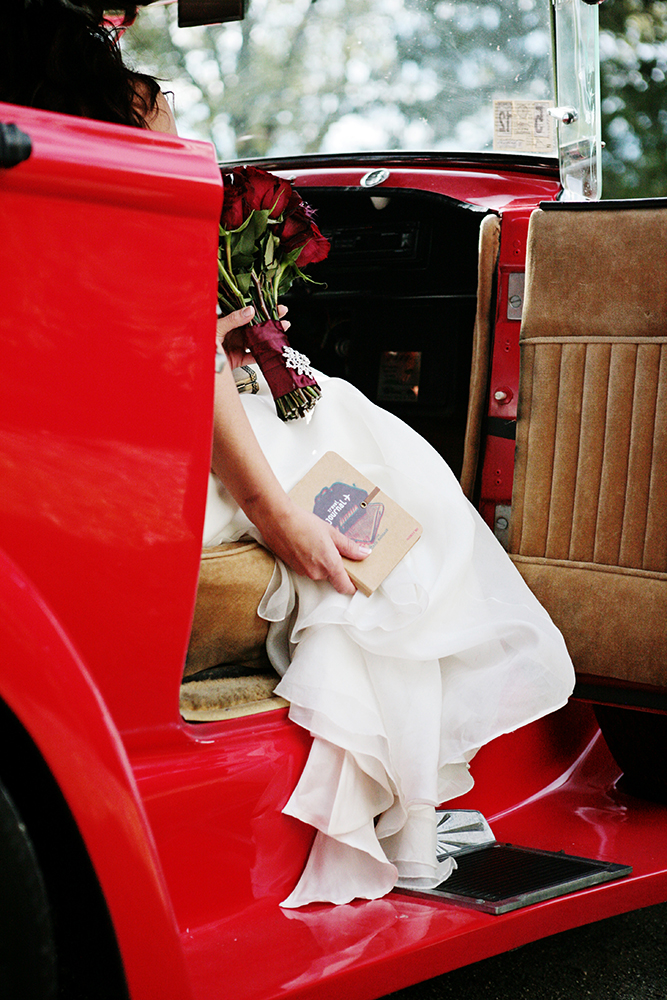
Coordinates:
column 367, row 949
column 496, row 187
column 498, row 461
column 53, row 696
column 108, row 257
column 107, row 327
column 108, row 253
column 504, row 380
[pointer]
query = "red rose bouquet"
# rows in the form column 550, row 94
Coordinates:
column 267, row 237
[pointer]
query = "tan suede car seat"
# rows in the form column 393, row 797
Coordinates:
column 227, row 671
column 589, row 508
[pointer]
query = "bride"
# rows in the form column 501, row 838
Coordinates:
column 399, row 689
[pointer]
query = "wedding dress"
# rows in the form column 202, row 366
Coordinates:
column 399, row 689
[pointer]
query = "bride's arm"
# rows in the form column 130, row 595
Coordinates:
column 299, row 538
column 302, row 540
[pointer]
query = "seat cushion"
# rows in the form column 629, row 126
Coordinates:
column 226, row 628
column 614, row 621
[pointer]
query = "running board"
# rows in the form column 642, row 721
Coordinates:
column 497, row 878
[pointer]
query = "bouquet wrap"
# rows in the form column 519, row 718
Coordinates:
column 287, row 372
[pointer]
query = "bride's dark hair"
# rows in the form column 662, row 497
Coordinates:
column 60, row 56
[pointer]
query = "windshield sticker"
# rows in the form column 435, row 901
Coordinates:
column 523, row 126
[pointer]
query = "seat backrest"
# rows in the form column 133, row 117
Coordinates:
column 589, row 508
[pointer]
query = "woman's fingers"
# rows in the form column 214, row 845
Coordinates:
column 348, row 548
column 338, row 577
column 230, row 334
column 233, row 321
column 311, row 547
column 241, row 317
column 282, row 311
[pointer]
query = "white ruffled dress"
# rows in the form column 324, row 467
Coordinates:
column 399, row 689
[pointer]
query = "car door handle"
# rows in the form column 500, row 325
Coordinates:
column 15, row 145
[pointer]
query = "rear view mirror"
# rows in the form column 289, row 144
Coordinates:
column 193, row 12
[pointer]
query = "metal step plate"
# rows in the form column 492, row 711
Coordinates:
column 497, row 878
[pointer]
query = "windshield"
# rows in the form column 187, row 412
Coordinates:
column 335, row 76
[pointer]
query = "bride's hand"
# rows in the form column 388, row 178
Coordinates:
column 309, row 546
column 230, row 334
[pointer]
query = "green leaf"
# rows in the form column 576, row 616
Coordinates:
column 270, row 248
column 242, row 263
column 258, row 223
column 247, row 242
column 225, row 233
column 243, row 281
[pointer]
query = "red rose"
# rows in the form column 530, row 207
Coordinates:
column 315, row 250
column 294, row 205
column 299, row 230
column 265, row 191
column 294, row 232
column 235, row 209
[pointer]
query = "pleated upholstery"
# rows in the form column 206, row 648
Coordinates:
column 589, row 510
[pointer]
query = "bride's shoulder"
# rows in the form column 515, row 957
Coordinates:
column 157, row 114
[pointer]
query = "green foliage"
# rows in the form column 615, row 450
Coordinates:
column 298, row 76
column 341, row 75
column 633, row 46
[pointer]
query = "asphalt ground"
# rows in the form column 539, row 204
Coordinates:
column 621, row 958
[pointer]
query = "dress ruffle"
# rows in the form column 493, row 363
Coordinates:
column 400, row 689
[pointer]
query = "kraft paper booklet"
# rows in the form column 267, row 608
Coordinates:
column 340, row 495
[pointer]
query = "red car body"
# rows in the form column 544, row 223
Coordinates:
column 108, row 252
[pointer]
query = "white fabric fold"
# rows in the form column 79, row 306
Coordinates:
column 399, row 689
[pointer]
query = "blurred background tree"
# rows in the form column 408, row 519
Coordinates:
column 298, row 76
column 347, row 75
column 633, row 62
